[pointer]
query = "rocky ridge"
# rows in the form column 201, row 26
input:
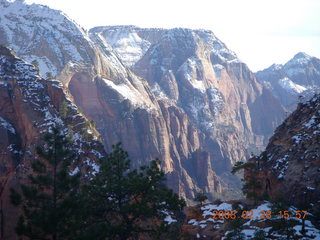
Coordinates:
column 180, row 95
column 300, row 76
column 29, row 107
column 289, row 167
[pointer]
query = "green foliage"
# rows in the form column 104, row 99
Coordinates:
column 124, row 203
column 63, row 109
column 251, row 185
column 35, row 64
column 49, row 75
column 259, row 235
column 242, row 165
column 282, row 226
column 200, row 197
column 235, row 228
column 49, row 201
column 93, row 123
column 116, row 203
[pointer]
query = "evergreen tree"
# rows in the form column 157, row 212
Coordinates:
column 125, row 203
column 49, row 201
column 283, row 226
column 63, row 109
column 251, row 185
column 235, row 228
column 200, row 197
column 49, row 75
column 259, row 235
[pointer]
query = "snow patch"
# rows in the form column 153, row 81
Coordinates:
column 290, row 86
column 7, row 125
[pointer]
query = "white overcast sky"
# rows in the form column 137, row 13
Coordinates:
column 260, row 32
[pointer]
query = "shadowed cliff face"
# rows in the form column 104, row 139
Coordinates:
column 290, row 165
column 179, row 95
column 29, row 106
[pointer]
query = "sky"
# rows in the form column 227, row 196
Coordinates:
column 260, row 32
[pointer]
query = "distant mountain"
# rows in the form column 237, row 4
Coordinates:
column 195, row 71
column 180, row 95
column 299, row 76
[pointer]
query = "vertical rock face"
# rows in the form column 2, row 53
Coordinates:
column 29, row 106
column 290, row 165
column 180, row 95
column 299, row 76
column 194, row 73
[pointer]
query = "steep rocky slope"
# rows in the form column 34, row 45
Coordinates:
column 179, row 95
column 121, row 103
column 290, row 165
column 299, row 76
column 194, row 71
column 29, row 106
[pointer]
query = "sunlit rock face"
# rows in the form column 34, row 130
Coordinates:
column 298, row 77
column 179, row 95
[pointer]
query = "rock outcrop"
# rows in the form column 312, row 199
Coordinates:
column 289, row 167
column 29, row 106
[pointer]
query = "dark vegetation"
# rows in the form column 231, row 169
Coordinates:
column 115, row 203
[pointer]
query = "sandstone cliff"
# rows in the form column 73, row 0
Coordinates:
column 180, row 95
column 29, row 106
column 289, row 167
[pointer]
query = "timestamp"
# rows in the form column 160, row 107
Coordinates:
column 218, row 215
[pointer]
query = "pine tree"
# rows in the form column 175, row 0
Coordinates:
column 251, row 185
column 200, row 197
column 126, row 203
column 283, row 226
column 235, row 228
column 259, row 235
column 49, row 201
column 63, row 109
column 49, row 75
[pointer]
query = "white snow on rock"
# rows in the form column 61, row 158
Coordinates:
column 169, row 219
column 127, row 91
column 290, row 86
column 296, row 139
column 311, row 123
column 7, row 125
column 127, row 44
column 74, row 172
column 189, row 69
column 301, row 59
column 44, row 64
column 64, row 38
column 207, row 210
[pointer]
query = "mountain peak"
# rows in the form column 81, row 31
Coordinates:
column 300, row 59
column 300, row 55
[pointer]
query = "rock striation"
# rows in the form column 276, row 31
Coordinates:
column 179, row 95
